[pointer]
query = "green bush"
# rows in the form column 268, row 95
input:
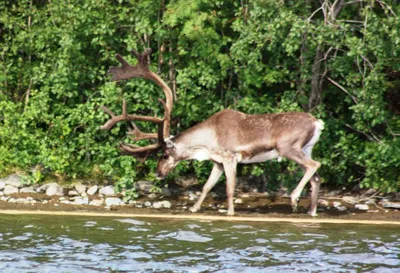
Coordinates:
column 257, row 57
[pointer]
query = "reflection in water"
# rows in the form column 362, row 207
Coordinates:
column 84, row 244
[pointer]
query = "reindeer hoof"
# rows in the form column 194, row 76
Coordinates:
column 193, row 209
column 294, row 204
column 230, row 212
column 313, row 213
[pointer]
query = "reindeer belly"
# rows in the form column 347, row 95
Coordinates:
column 260, row 157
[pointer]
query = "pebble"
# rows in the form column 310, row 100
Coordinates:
column 108, row 190
column 114, row 201
column 81, row 201
column 393, row 205
column 2, row 185
column 54, row 189
column 147, row 204
column 362, row 206
column 162, row 204
column 80, row 188
column 238, row 201
column 336, row 204
column 96, row 202
column 222, row 211
column 27, row 190
column 10, row 189
column 72, row 193
column 13, row 180
column 93, row 190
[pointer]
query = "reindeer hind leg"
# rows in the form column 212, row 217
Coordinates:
column 310, row 166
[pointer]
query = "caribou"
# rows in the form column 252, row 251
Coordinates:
column 227, row 138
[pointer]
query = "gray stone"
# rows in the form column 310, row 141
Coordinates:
column 222, row 211
column 147, row 204
column 114, row 201
column 13, row 180
column 54, row 189
column 144, row 186
column 245, row 195
column 10, row 189
column 73, row 193
column 2, row 185
column 81, row 201
column 1, row 193
column 108, row 190
column 162, row 204
column 65, row 202
column 350, row 200
column 362, row 206
column 96, row 202
column 80, row 188
column 43, row 188
column 27, row 190
column 166, row 192
column 341, row 208
column 93, row 190
column 336, row 204
column 238, row 201
column 391, row 205
column 152, row 196
column 187, row 181
column 5, row 198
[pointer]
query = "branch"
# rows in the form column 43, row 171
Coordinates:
column 343, row 89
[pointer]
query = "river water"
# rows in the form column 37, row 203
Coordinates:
column 96, row 244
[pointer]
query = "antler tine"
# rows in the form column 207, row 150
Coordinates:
column 136, row 134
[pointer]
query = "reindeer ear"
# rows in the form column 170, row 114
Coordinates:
column 169, row 143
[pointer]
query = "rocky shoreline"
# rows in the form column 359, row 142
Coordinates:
column 15, row 194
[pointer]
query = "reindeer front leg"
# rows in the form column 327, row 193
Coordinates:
column 230, row 173
column 212, row 180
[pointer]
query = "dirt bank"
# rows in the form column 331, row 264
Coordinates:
column 255, row 206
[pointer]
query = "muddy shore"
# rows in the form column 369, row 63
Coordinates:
column 253, row 205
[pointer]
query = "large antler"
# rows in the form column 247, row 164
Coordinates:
column 140, row 70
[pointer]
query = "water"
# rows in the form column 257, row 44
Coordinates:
column 95, row 244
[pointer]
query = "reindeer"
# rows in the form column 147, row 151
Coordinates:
column 227, row 138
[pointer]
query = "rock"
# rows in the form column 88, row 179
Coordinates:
column 391, row 205
column 27, row 190
column 73, row 193
column 1, row 193
column 162, row 204
column 93, row 190
column 323, row 202
column 147, row 204
column 81, row 201
column 54, row 189
column 96, row 202
column 114, row 201
column 187, row 181
column 80, row 188
column 350, row 200
column 108, row 190
column 10, row 190
column 341, row 208
column 245, row 195
column 43, row 188
column 13, row 180
column 144, row 186
column 166, row 192
column 238, row 201
column 65, row 202
column 336, row 204
column 152, row 196
column 222, row 211
column 362, row 206
column 2, row 185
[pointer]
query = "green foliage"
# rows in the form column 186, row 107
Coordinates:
column 253, row 56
